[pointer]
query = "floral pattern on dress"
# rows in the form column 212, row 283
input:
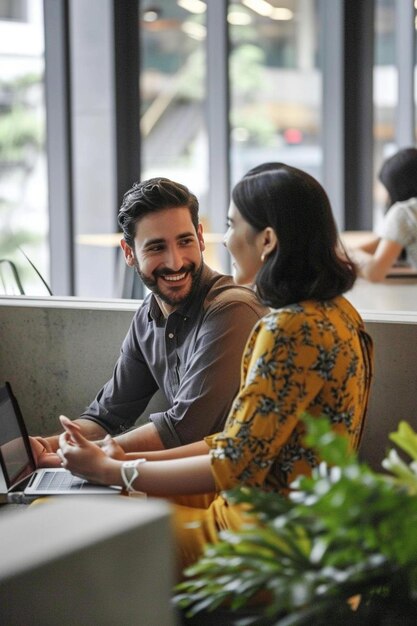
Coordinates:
column 311, row 357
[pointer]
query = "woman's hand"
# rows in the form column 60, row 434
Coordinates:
column 160, row 478
column 82, row 457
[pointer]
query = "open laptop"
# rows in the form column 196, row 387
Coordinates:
column 18, row 472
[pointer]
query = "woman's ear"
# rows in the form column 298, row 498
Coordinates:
column 128, row 252
column 269, row 242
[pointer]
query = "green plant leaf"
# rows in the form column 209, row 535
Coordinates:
column 333, row 448
column 406, row 439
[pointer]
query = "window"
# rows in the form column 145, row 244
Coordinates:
column 415, row 71
column 385, row 96
column 275, row 84
column 172, row 87
column 23, row 180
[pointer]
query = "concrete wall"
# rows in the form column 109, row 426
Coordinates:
column 394, row 391
column 58, row 353
column 87, row 561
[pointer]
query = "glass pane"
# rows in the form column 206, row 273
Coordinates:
column 415, row 70
column 385, row 96
column 172, row 85
column 23, row 178
column 275, row 84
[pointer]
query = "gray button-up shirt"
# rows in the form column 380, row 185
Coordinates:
column 193, row 356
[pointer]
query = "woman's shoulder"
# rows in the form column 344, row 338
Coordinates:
column 290, row 315
column 301, row 313
column 406, row 208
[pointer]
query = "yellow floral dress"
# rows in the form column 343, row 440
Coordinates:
column 310, row 357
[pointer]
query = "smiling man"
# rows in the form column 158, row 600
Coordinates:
column 169, row 264
column 187, row 338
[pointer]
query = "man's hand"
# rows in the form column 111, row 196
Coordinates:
column 112, row 449
column 43, row 454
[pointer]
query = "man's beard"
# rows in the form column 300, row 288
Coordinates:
column 151, row 282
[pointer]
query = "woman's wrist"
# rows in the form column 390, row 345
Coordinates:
column 112, row 472
column 129, row 474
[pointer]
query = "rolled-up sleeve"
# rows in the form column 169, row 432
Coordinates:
column 209, row 379
column 125, row 396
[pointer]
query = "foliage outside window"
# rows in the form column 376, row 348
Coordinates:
column 21, row 143
column 23, row 178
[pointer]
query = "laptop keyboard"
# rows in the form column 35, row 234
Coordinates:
column 53, row 481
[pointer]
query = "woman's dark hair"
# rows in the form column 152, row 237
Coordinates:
column 149, row 196
column 306, row 264
column 399, row 175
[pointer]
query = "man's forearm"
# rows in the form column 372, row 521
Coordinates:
column 142, row 439
column 91, row 430
column 192, row 449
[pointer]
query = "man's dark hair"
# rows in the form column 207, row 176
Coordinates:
column 150, row 196
column 399, row 175
column 306, row 263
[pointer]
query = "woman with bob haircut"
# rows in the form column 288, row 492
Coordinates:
column 397, row 236
column 309, row 354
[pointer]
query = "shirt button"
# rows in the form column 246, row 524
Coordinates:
column 171, row 335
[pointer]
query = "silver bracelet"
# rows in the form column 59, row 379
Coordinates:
column 129, row 472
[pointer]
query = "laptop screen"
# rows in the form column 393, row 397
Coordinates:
column 15, row 459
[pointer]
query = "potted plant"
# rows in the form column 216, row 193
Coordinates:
column 341, row 550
